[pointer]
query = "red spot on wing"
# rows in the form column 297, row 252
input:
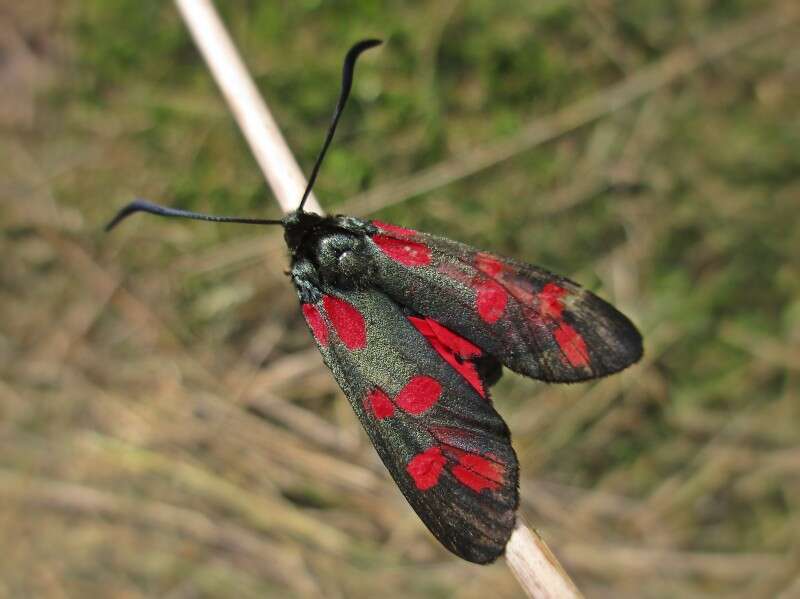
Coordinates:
column 315, row 323
column 426, row 468
column 474, row 481
column 572, row 344
column 379, row 404
column 404, row 251
column 489, row 265
column 455, row 350
column 491, row 300
column 419, row 394
column 478, row 473
column 389, row 228
column 550, row 302
column 347, row 321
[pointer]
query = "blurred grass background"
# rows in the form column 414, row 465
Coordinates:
column 167, row 427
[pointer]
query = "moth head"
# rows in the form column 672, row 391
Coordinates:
column 299, row 227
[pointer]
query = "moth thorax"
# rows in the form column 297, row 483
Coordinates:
column 343, row 259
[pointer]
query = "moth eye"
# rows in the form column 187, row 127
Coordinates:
column 342, row 259
column 334, row 247
column 349, row 261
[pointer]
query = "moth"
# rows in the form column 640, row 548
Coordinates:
column 416, row 329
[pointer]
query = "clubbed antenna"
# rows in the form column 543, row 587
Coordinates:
column 347, row 83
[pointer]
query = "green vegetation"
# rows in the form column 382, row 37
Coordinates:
column 168, row 428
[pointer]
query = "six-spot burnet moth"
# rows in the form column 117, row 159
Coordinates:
column 416, row 328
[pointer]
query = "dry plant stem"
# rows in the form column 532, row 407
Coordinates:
column 254, row 118
column 534, row 566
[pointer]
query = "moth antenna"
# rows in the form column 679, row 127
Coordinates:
column 347, row 83
column 139, row 205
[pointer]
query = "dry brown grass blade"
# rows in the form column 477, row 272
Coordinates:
column 643, row 562
column 259, row 511
column 103, row 284
column 303, row 423
column 253, row 551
